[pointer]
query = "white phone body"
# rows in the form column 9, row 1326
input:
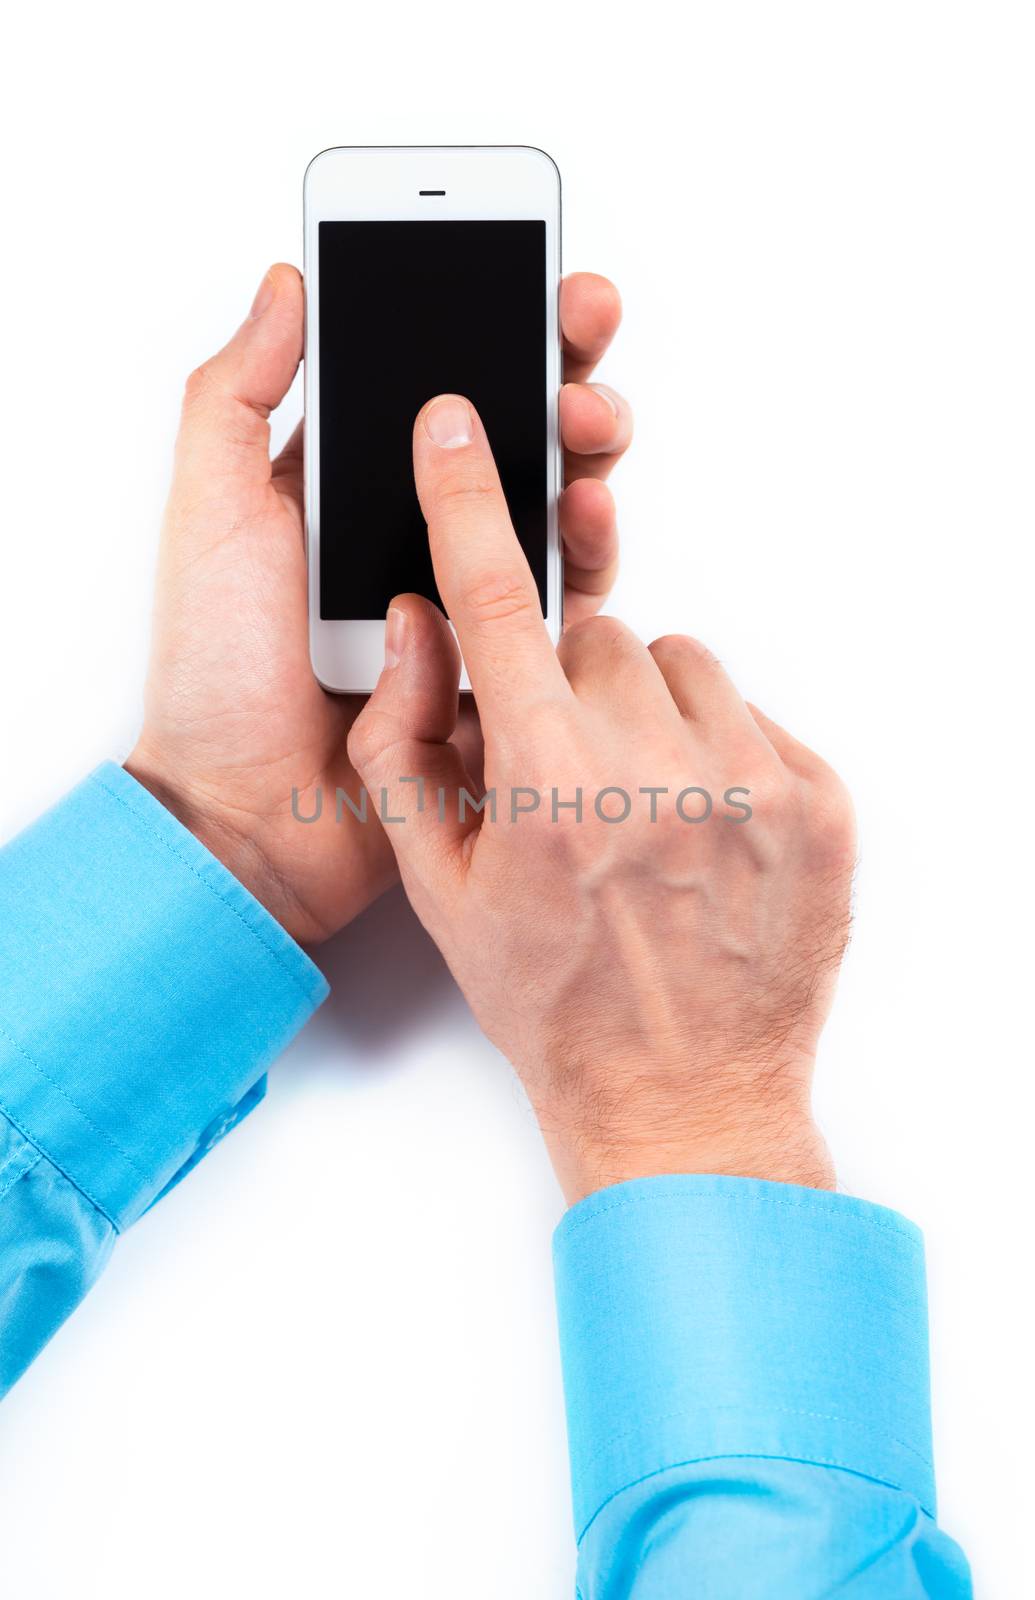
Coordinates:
column 383, row 184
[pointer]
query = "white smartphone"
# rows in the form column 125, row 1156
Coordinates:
column 428, row 270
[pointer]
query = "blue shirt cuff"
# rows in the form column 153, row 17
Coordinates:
column 709, row 1317
column 143, row 993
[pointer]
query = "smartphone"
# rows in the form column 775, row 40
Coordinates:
column 428, row 270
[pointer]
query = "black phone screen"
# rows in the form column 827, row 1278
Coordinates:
column 409, row 310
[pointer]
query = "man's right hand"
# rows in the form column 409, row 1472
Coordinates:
column 659, row 984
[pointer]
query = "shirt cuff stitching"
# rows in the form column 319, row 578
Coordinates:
column 182, row 859
column 100, row 1132
column 17, row 1166
column 646, row 1423
column 45, row 1153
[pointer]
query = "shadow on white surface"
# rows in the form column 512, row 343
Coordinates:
column 388, row 983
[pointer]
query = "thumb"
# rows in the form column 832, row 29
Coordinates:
column 224, row 432
column 400, row 746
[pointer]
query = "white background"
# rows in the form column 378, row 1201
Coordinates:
column 327, row 1365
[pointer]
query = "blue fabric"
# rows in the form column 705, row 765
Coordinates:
column 143, row 994
column 745, row 1368
column 745, row 1363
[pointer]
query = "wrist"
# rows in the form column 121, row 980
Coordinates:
column 778, row 1142
column 239, row 851
column 804, row 1162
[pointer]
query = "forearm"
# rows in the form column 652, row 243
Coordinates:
column 143, row 994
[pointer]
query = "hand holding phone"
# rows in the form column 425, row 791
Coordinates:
column 234, row 719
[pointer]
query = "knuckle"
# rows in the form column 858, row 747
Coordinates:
column 198, row 385
column 210, row 402
column 498, row 597
column 834, row 816
column 367, row 738
column 461, row 488
column 608, row 631
column 680, row 646
column 774, row 793
column 603, row 636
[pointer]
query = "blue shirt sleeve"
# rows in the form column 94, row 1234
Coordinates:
column 143, row 994
column 745, row 1363
column 746, row 1376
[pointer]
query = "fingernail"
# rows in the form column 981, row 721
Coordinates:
column 395, row 635
column 263, row 298
column 447, row 422
column 605, row 394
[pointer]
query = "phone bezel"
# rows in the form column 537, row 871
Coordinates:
column 383, row 183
